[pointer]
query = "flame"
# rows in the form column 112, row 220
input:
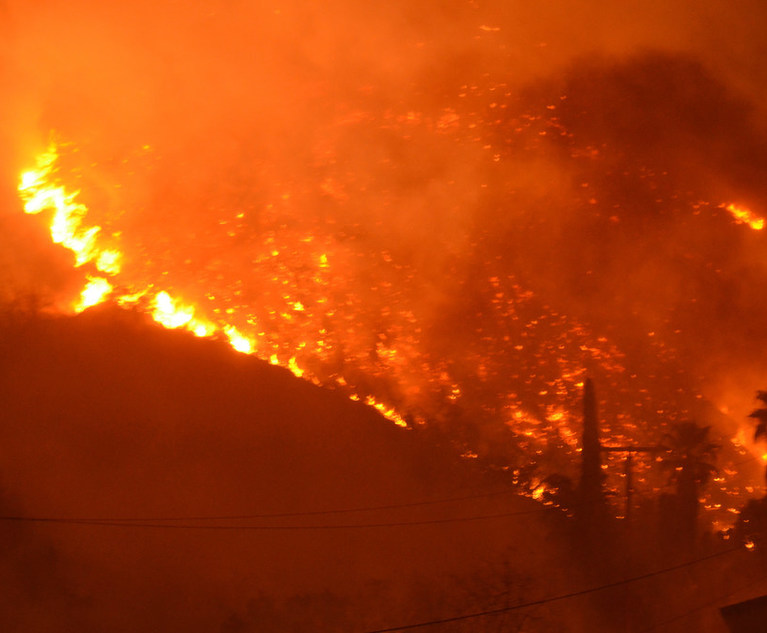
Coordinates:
column 311, row 317
column 67, row 225
column 744, row 439
column 387, row 412
column 96, row 290
column 743, row 215
column 40, row 191
column 239, row 341
column 172, row 313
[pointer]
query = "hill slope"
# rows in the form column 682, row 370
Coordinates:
column 106, row 416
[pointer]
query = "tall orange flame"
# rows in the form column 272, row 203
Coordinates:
column 40, row 192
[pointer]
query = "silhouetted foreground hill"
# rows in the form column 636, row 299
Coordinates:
column 106, row 394
column 106, row 416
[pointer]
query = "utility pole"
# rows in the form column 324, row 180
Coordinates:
column 628, row 467
column 592, row 476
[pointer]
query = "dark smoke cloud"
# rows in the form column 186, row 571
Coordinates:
column 672, row 142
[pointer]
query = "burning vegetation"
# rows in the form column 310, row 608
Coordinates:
column 468, row 217
column 506, row 388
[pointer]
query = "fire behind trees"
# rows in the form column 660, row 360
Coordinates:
column 506, row 194
column 454, row 223
column 184, row 428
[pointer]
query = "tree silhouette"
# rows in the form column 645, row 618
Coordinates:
column 751, row 526
column 689, row 457
column 592, row 477
column 760, row 415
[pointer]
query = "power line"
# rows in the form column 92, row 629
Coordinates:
column 336, row 526
column 149, row 521
column 284, row 515
column 534, row 603
column 705, row 605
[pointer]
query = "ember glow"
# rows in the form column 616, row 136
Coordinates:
column 40, row 192
column 745, row 216
column 436, row 251
column 317, row 325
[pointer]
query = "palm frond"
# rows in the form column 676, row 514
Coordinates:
column 760, row 415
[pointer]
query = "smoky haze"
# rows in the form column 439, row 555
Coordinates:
column 579, row 152
column 473, row 197
column 396, row 130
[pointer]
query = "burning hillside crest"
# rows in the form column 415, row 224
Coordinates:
column 40, row 192
column 531, row 382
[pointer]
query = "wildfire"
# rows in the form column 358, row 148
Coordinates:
column 40, row 192
column 67, row 225
column 745, row 216
column 173, row 314
column 387, row 412
column 96, row 290
column 302, row 309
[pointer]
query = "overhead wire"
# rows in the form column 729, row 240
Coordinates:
column 268, row 515
column 275, row 515
column 700, row 607
column 565, row 596
column 172, row 522
column 215, row 527
column 157, row 522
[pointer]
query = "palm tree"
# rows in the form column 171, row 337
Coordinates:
column 761, row 416
column 689, row 457
column 751, row 526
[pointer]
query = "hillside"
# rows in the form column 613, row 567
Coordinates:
column 107, row 416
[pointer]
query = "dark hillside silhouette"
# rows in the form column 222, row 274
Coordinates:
column 108, row 417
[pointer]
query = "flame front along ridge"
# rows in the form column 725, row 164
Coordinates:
column 41, row 192
column 543, row 338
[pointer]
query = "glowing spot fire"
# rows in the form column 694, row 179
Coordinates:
column 745, row 216
column 96, row 290
column 239, row 341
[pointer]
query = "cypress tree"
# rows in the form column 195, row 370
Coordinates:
column 591, row 458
